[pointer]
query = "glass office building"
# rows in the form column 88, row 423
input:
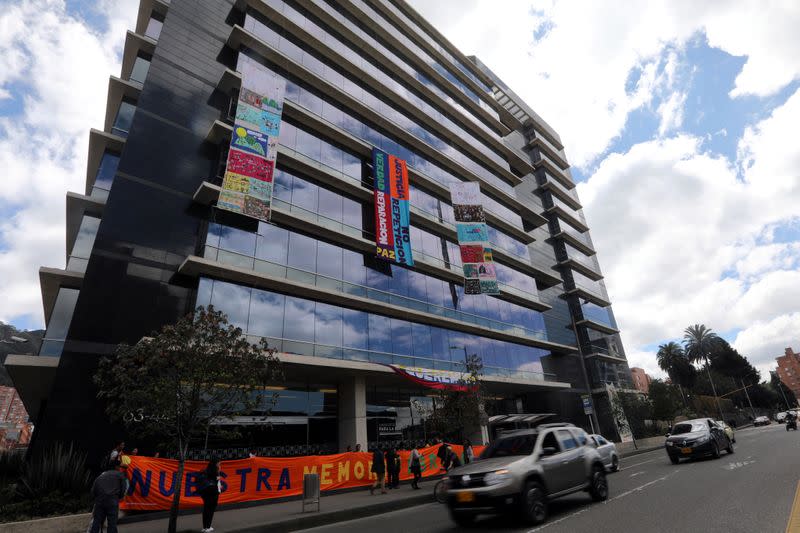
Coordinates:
column 146, row 242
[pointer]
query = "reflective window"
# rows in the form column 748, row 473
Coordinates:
column 105, row 174
column 60, row 320
column 154, row 25
column 140, row 67
column 122, row 124
column 84, row 242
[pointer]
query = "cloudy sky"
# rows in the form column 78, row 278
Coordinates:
column 676, row 116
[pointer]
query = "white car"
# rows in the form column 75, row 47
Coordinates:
column 607, row 451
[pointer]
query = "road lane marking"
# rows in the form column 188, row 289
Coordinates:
column 794, row 516
column 637, row 473
column 637, row 464
column 617, row 497
column 739, row 464
column 554, row 522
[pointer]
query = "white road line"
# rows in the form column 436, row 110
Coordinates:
column 637, row 473
column 637, row 464
column 617, row 497
column 554, row 522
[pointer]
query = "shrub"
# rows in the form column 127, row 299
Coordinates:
column 57, row 469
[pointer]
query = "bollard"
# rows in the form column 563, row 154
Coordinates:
column 310, row 490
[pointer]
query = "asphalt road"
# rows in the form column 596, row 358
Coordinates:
column 749, row 491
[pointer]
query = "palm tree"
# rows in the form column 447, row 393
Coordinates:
column 699, row 343
column 671, row 359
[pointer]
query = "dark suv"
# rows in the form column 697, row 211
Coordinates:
column 524, row 469
column 696, row 438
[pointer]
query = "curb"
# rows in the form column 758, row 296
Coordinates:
column 321, row 518
column 640, row 451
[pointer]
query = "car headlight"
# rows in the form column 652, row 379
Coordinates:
column 496, row 478
column 670, row 443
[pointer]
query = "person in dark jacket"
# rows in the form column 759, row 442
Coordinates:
column 393, row 468
column 209, row 491
column 441, row 453
column 451, row 459
column 415, row 461
column 107, row 490
column 379, row 468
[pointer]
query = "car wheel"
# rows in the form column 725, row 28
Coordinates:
column 730, row 447
column 615, row 464
column 463, row 519
column 598, row 488
column 675, row 460
column 715, row 450
column 534, row 503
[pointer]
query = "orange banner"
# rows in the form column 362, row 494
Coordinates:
column 152, row 481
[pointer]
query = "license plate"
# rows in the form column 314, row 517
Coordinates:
column 686, row 450
column 465, row 497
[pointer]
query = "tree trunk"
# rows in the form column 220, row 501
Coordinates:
column 176, row 496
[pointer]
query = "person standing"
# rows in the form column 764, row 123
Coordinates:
column 358, row 447
column 107, row 490
column 393, row 467
column 415, row 463
column 118, row 450
column 469, row 455
column 441, row 453
column 209, row 491
column 379, row 469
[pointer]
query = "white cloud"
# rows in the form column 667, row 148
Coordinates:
column 62, row 66
column 575, row 75
column 691, row 235
column 763, row 341
column 670, row 112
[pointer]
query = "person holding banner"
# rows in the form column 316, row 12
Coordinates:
column 415, row 462
column 209, row 491
column 379, row 469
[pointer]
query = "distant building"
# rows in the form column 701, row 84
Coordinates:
column 15, row 429
column 789, row 370
column 640, row 379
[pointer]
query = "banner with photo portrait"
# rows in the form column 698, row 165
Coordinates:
column 480, row 276
column 247, row 185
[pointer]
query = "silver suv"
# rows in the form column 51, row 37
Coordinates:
column 525, row 469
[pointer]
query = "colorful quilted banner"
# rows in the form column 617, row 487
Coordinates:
column 392, row 212
column 480, row 276
column 247, row 185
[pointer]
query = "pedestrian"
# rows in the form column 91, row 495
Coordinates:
column 107, row 490
column 358, row 447
column 415, row 463
column 379, row 469
column 252, row 454
column 393, row 468
column 451, row 460
column 135, row 451
column 209, row 491
column 441, row 453
column 469, row 455
column 117, row 451
column 156, row 455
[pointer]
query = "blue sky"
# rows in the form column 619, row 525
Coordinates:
column 677, row 116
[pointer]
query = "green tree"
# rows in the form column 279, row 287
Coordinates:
column 457, row 413
column 177, row 383
column 700, row 343
column 666, row 400
column 785, row 393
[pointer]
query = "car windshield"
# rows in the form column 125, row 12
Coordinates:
column 688, row 427
column 510, row 446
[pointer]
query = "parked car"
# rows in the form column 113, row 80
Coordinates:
column 523, row 470
column 696, row 438
column 727, row 429
column 763, row 421
column 607, row 451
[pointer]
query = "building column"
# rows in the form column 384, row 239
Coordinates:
column 352, row 413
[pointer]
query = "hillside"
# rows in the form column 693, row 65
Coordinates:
column 33, row 340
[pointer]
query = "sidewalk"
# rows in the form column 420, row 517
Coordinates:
column 287, row 515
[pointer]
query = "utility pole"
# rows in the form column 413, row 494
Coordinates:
column 748, row 400
column 714, row 389
column 780, row 388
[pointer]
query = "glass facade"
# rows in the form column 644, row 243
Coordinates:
column 140, row 67
column 105, row 175
column 84, row 241
column 58, row 325
column 301, row 326
column 122, row 123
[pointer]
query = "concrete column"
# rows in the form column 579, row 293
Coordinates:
column 352, row 413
